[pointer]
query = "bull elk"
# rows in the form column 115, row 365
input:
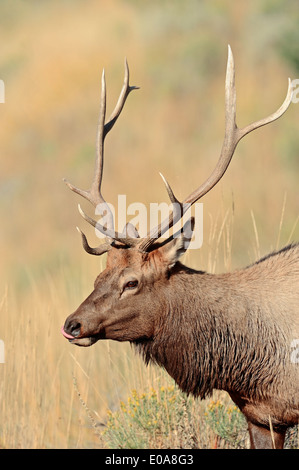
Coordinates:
column 230, row 331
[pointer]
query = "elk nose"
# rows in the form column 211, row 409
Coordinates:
column 72, row 328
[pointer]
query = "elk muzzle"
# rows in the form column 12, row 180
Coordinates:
column 74, row 331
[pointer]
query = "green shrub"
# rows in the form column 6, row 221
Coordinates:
column 166, row 418
column 227, row 422
column 149, row 420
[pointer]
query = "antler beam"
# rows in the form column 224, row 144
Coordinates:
column 94, row 194
column 232, row 137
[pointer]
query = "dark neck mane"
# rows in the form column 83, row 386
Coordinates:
column 200, row 350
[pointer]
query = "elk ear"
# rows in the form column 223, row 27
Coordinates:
column 173, row 250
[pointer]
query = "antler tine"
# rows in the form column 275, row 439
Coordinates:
column 233, row 134
column 94, row 194
column 99, row 250
column 103, row 130
column 120, row 237
column 170, row 193
column 231, row 138
column 126, row 89
column 95, row 190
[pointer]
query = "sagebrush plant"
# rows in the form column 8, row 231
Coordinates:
column 150, row 419
column 167, row 418
column 227, row 422
column 164, row 418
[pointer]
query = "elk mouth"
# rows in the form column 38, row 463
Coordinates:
column 84, row 341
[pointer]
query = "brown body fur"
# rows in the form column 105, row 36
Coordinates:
column 234, row 332
column 231, row 331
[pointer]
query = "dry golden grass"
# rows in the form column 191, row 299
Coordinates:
column 38, row 401
column 51, row 59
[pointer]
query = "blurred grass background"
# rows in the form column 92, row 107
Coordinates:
column 52, row 55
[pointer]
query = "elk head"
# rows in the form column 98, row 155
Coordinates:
column 129, row 296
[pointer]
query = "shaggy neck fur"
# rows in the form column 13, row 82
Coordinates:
column 223, row 334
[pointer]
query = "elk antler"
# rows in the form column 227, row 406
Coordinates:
column 129, row 237
column 94, row 194
column 232, row 136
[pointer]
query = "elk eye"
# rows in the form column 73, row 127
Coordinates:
column 131, row 285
